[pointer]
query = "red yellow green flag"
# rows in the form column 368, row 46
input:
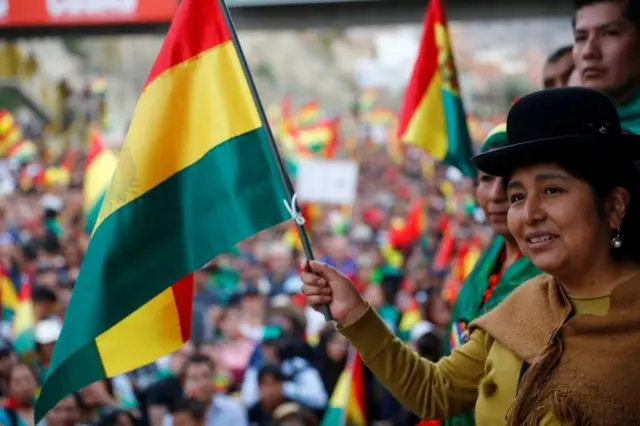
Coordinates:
column 309, row 114
column 10, row 132
column 100, row 165
column 196, row 175
column 347, row 403
column 432, row 116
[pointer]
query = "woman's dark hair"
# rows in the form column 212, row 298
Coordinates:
column 603, row 180
column 196, row 409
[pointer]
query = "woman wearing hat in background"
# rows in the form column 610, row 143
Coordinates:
column 562, row 349
column 500, row 269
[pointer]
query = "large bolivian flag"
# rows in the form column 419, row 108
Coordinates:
column 196, row 175
column 100, row 165
column 432, row 116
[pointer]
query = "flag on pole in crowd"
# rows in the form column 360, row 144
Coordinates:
column 347, row 403
column 432, row 116
column 309, row 114
column 9, row 298
column 366, row 100
column 25, row 315
column 100, row 165
column 22, row 152
column 10, row 132
column 196, row 175
column 320, row 139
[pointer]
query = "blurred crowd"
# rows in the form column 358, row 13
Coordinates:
column 256, row 351
column 257, row 354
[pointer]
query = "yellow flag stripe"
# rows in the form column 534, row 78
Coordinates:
column 141, row 330
column 195, row 123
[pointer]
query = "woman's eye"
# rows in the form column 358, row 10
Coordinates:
column 552, row 190
column 514, row 198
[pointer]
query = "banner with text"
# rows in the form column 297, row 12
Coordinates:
column 48, row 13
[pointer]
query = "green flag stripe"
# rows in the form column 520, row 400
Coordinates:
column 92, row 215
column 148, row 244
column 79, row 370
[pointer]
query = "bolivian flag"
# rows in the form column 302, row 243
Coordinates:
column 196, row 175
column 309, row 114
column 432, row 116
column 320, row 139
column 9, row 298
column 22, row 152
column 100, row 165
column 347, row 403
column 10, row 132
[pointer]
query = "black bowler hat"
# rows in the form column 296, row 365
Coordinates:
column 565, row 124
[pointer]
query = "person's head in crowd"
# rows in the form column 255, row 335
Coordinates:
column 558, row 68
column 230, row 319
column 22, row 384
column 437, row 310
column 199, row 374
column 289, row 319
column 270, row 387
column 44, row 301
column 292, row 414
column 7, row 249
column 72, row 253
column 334, row 346
column 200, row 279
column 45, row 335
column 607, row 46
column 8, row 358
column 270, row 350
column 280, row 259
column 66, row 412
column 179, row 358
column 63, row 295
column 47, row 275
column 490, row 194
column 116, row 417
column 188, row 412
column 574, row 216
column 252, row 304
column 339, row 249
column 374, row 294
column 249, row 268
column 97, row 396
column 429, row 346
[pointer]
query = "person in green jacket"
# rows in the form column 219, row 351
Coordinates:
column 607, row 53
column 498, row 272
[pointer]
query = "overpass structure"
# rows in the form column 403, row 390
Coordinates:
column 300, row 14
column 33, row 18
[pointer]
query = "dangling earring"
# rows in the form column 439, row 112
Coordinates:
column 616, row 242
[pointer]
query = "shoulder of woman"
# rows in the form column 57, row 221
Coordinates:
column 524, row 321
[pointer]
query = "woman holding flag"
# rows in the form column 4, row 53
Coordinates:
column 500, row 269
column 558, row 349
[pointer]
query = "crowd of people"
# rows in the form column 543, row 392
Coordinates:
column 409, row 250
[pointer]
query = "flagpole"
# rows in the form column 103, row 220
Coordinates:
column 284, row 177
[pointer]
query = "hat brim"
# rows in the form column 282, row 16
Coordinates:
column 503, row 161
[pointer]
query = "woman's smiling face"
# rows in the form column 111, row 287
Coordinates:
column 554, row 218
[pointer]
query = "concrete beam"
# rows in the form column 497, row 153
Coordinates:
column 305, row 14
column 282, row 14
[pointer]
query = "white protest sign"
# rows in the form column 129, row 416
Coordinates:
column 330, row 182
column 7, row 183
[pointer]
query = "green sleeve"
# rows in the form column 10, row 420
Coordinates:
column 430, row 390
